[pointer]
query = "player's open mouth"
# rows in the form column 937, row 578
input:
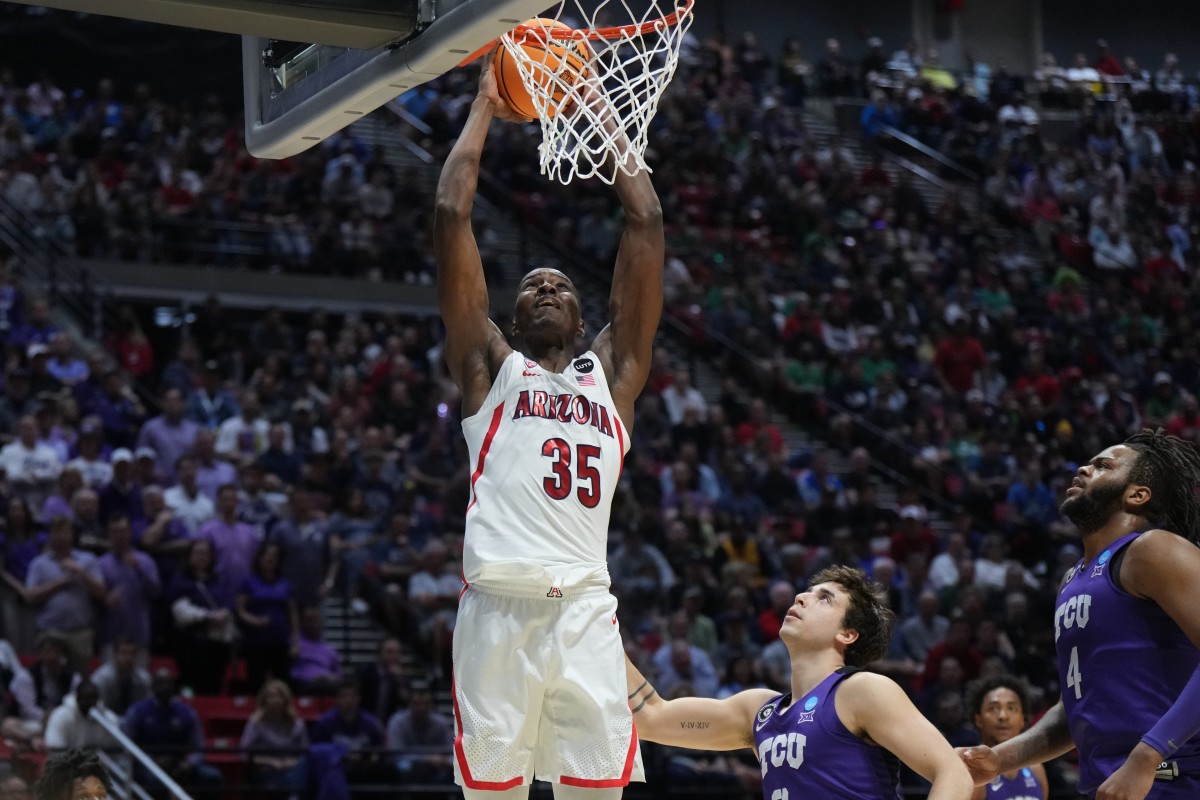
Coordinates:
column 546, row 302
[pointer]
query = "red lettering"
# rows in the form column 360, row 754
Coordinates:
column 539, row 405
column 522, row 409
column 581, row 409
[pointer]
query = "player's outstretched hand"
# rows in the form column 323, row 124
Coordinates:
column 982, row 761
column 489, row 90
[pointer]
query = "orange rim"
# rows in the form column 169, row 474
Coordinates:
column 591, row 34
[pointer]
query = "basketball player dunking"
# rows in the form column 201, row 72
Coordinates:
column 539, row 686
column 998, row 704
column 839, row 734
column 1127, row 631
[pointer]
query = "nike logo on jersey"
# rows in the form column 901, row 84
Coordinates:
column 527, row 374
column 564, row 408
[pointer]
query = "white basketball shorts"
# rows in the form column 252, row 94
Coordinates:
column 539, row 691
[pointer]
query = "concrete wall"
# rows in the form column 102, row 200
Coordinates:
column 1145, row 30
column 812, row 21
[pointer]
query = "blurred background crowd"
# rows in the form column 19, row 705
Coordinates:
column 910, row 377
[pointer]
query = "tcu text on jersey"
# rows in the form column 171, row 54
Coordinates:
column 564, row 408
column 1073, row 613
column 786, row 748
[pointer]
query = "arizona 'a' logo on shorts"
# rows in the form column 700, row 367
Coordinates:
column 554, row 592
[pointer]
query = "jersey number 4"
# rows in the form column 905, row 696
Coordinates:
column 1074, row 679
column 586, row 475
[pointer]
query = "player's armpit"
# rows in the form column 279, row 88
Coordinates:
column 701, row 723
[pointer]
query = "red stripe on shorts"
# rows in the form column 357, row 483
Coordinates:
column 611, row 783
column 483, row 451
column 461, row 755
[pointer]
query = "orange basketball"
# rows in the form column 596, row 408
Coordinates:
column 556, row 65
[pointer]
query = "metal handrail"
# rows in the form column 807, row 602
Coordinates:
column 929, row 152
column 139, row 754
column 124, row 785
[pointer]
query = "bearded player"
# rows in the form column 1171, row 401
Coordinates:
column 1127, row 631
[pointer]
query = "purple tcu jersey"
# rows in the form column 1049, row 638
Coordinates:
column 1025, row 786
column 1122, row 662
column 806, row 752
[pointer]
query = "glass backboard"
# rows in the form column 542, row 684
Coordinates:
column 298, row 94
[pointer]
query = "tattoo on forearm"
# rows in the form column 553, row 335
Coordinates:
column 645, row 700
column 633, row 694
column 694, row 725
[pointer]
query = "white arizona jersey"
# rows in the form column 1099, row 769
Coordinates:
column 546, row 450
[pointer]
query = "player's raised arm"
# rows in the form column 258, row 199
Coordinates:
column 474, row 345
column 625, row 347
column 698, row 723
column 874, row 705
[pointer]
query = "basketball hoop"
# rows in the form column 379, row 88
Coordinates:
column 596, row 120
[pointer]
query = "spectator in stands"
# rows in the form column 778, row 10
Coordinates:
column 14, row 788
column 957, row 646
column 353, row 533
column 235, row 542
column 835, row 72
column 927, row 628
column 20, row 543
column 385, row 687
column 189, row 505
column 121, row 680
column 878, row 115
column 159, row 534
column 39, row 328
column 171, row 733
column 679, row 663
column 1107, row 63
column 959, row 358
column 21, row 718
column 242, row 438
column 170, row 434
column 121, row 494
column 204, row 629
column 90, row 461
column 424, row 738
column 276, row 729
column 64, row 583
column 317, row 667
column 211, row 404
column 268, row 616
column 70, row 725
column 62, row 364
column 118, row 408
column 132, row 584
column 433, row 594
column 30, row 466
column 211, row 472
column 52, row 675
column 347, row 724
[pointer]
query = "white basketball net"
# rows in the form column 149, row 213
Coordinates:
column 593, row 126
